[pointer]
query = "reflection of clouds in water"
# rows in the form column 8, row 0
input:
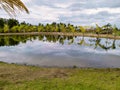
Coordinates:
column 39, row 52
column 3, row 54
column 39, row 47
column 103, row 52
column 11, row 57
column 114, row 52
column 61, row 54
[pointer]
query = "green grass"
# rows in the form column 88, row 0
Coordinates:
column 19, row 77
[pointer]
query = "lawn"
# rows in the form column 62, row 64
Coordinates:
column 20, row 77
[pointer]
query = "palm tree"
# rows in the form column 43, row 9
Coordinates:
column 83, row 30
column 108, row 28
column 115, row 29
column 10, row 6
column 98, row 29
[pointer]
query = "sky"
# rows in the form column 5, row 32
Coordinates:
column 77, row 12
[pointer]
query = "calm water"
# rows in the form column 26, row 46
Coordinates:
column 60, row 51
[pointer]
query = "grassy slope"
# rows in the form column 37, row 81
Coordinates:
column 16, row 77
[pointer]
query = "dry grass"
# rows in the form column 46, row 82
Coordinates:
column 17, row 73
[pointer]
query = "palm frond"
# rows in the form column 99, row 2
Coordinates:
column 11, row 6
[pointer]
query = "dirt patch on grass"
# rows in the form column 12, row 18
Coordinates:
column 16, row 73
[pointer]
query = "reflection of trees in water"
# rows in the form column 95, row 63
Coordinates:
column 6, row 41
column 105, row 46
column 16, row 40
column 70, row 40
column 84, row 43
column 13, row 40
column 97, row 43
column 62, row 39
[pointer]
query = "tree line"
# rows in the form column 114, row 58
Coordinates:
column 14, row 26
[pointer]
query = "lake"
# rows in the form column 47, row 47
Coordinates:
column 60, row 51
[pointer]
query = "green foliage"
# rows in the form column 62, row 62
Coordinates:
column 12, row 22
column 33, row 28
column 2, row 22
column 115, row 29
column 107, row 29
column 70, row 28
column 6, row 28
column 98, row 29
column 83, row 30
column 14, row 29
column 21, row 28
column 62, row 27
column 15, row 26
column 40, row 28
column 1, row 30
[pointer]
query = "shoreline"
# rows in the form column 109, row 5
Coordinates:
column 47, row 67
column 59, row 67
column 64, row 34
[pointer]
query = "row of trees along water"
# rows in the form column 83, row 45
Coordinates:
column 63, row 40
column 13, row 26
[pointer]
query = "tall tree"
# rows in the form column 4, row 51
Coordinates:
column 98, row 29
column 12, row 22
column 6, row 28
column 108, row 28
column 83, row 30
column 1, row 22
column 115, row 29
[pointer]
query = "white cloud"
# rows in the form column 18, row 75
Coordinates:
column 97, row 10
column 70, row 11
column 62, row 5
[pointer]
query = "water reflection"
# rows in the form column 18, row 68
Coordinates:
column 102, row 43
column 49, row 50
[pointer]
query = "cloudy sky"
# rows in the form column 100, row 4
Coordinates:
column 77, row 12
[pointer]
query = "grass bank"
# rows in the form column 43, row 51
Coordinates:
column 65, row 34
column 18, row 77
